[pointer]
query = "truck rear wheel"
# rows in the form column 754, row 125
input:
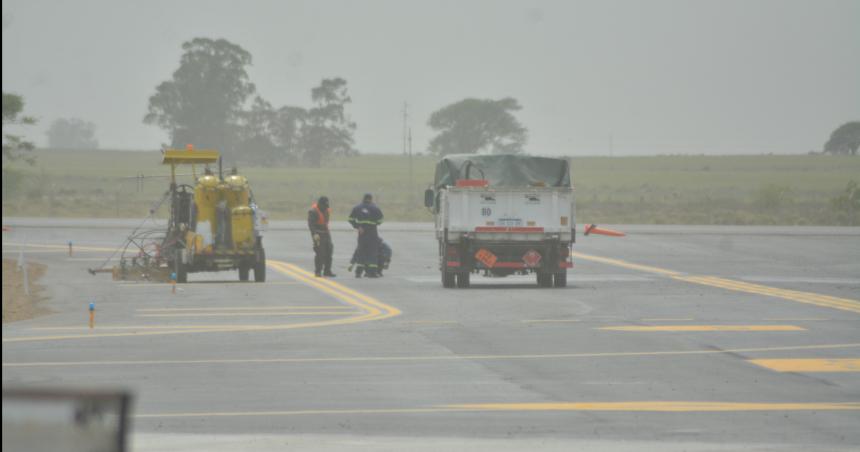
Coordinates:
column 544, row 279
column 560, row 279
column 463, row 280
column 447, row 279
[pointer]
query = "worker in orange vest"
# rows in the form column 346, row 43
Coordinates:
column 318, row 218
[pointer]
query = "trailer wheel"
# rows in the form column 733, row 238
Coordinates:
column 463, row 280
column 560, row 279
column 260, row 265
column 244, row 272
column 447, row 279
column 179, row 268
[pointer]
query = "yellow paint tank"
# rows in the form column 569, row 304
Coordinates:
column 236, row 191
column 206, row 198
column 242, row 227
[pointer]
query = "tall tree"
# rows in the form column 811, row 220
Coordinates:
column 15, row 147
column 255, row 134
column 326, row 129
column 845, row 139
column 72, row 133
column 478, row 125
column 202, row 104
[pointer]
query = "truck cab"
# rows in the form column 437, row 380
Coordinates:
column 500, row 215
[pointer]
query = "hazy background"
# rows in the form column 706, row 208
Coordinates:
column 660, row 76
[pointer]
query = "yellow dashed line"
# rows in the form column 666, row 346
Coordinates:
column 660, row 328
column 809, row 365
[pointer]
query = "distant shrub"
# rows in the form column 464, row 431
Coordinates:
column 773, row 196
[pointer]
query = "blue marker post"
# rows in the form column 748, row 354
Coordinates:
column 92, row 314
column 173, row 282
column 70, row 248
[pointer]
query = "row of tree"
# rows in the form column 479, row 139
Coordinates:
column 206, row 103
column 210, row 101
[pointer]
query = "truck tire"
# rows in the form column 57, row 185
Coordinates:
column 447, row 279
column 179, row 268
column 244, row 272
column 560, row 279
column 260, row 265
column 544, row 279
column 463, row 280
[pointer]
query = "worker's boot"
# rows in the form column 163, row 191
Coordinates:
column 328, row 273
column 358, row 270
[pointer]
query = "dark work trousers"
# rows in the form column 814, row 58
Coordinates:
column 323, row 253
column 368, row 250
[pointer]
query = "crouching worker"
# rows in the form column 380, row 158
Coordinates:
column 384, row 255
column 318, row 220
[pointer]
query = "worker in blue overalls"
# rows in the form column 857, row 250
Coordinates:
column 365, row 218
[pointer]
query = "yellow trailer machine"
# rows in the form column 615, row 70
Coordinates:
column 212, row 224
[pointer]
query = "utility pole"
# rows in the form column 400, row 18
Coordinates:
column 411, row 178
column 405, row 126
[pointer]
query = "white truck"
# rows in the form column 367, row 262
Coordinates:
column 501, row 215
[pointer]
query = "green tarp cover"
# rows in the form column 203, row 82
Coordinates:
column 503, row 170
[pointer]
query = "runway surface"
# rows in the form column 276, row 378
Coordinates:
column 675, row 338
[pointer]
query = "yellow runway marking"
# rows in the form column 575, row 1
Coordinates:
column 202, row 284
column 429, row 322
column 635, row 406
column 625, row 264
column 667, row 320
column 373, row 310
column 551, row 321
column 250, row 314
column 810, row 365
column 150, row 327
column 658, row 328
column 367, row 359
column 796, row 319
column 243, row 308
column 821, row 300
column 657, row 406
column 826, row 301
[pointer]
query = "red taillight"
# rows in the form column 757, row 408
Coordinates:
column 453, row 253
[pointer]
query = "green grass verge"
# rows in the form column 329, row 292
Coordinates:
column 765, row 189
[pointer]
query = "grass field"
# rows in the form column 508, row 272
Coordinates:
column 790, row 190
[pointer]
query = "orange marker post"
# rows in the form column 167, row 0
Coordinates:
column 593, row 229
column 92, row 315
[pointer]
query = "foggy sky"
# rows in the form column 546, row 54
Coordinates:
column 659, row 76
